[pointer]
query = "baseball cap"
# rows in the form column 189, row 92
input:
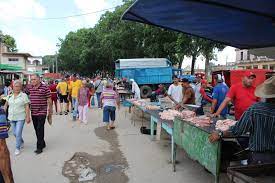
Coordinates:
column 185, row 80
column 249, row 73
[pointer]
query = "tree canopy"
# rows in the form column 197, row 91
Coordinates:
column 9, row 41
column 89, row 50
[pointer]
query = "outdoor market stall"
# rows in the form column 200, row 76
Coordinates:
column 187, row 131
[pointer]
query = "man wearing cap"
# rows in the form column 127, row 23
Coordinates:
column 219, row 94
column 259, row 121
column 241, row 94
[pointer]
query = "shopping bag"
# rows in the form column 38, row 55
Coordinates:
column 92, row 101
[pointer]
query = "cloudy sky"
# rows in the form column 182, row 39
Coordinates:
column 22, row 19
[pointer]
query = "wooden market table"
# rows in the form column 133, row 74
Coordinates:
column 194, row 140
column 160, row 124
column 124, row 94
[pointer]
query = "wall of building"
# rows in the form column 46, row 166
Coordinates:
column 14, row 60
column 258, row 65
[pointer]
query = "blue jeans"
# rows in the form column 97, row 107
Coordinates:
column 109, row 112
column 98, row 99
column 75, row 106
column 17, row 128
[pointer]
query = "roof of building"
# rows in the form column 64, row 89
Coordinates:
column 17, row 54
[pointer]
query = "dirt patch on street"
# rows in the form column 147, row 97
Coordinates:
column 109, row 167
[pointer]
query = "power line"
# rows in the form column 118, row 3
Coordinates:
column 69, row 16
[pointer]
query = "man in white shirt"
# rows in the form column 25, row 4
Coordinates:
column 198, row 96
column 175, row 91
column 135, row 89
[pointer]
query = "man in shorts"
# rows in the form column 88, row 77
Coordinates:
column 62, row 88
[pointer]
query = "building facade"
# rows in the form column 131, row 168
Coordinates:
column 245, row 60
column 23, row 62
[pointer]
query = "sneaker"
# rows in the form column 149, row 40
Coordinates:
column 74, row 118
column 66, row 113
column 60, row 113
column 17, row 152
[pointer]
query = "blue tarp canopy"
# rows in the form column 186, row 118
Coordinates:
column 239, row 23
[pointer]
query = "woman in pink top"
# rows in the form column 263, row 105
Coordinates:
column 83, row 99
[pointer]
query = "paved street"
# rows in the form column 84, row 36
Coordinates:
column 122, row 155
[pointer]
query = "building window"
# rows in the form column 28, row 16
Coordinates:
column 248, row 67
column 255, row 67
column 241, row 55
column 13, row 59
column 265, row 66
column 272, row 67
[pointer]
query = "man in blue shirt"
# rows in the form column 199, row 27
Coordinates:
column 219, row 94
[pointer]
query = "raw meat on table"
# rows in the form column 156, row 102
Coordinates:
column 169, row 114
column 202, row 121
column 187, row 114
column 224, row 125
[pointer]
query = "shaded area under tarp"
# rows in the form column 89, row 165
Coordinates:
column 243, row 24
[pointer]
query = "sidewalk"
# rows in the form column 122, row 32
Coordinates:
column 107, row 153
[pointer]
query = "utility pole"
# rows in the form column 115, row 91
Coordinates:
column 56, row 67
column 53, row 68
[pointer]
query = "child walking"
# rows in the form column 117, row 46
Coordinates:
column 83, row 99
column 109, row 100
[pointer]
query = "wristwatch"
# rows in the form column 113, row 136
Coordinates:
column 221, row 134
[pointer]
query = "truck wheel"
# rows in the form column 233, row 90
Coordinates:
column 145, row 91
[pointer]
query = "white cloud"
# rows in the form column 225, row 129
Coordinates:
column 87, row 6
column 13, row 9
column 11, row 22
column 28, row 42
column 227, row 55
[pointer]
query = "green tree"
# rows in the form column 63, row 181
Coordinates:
column 9, row 41
column 49, row 60
column 189, row 46
column 208, row 52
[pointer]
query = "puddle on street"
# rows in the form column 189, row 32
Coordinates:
column 108, row 167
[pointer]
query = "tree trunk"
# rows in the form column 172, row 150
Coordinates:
column 179, row 64
column 206, row 67
column 194, row 57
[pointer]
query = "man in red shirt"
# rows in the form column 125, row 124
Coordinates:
column 242, row 95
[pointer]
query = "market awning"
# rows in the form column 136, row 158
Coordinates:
column 10, row 67
column 242, row 24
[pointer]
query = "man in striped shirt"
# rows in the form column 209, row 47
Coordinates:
column 109, row 100
column 259, row 121
column 41, row 104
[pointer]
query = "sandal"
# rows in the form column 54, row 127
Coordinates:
column 112, row 127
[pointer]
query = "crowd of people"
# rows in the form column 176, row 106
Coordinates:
column 35, row 103
column 254, row 108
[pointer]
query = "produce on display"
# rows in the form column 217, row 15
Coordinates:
column 224, row 125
